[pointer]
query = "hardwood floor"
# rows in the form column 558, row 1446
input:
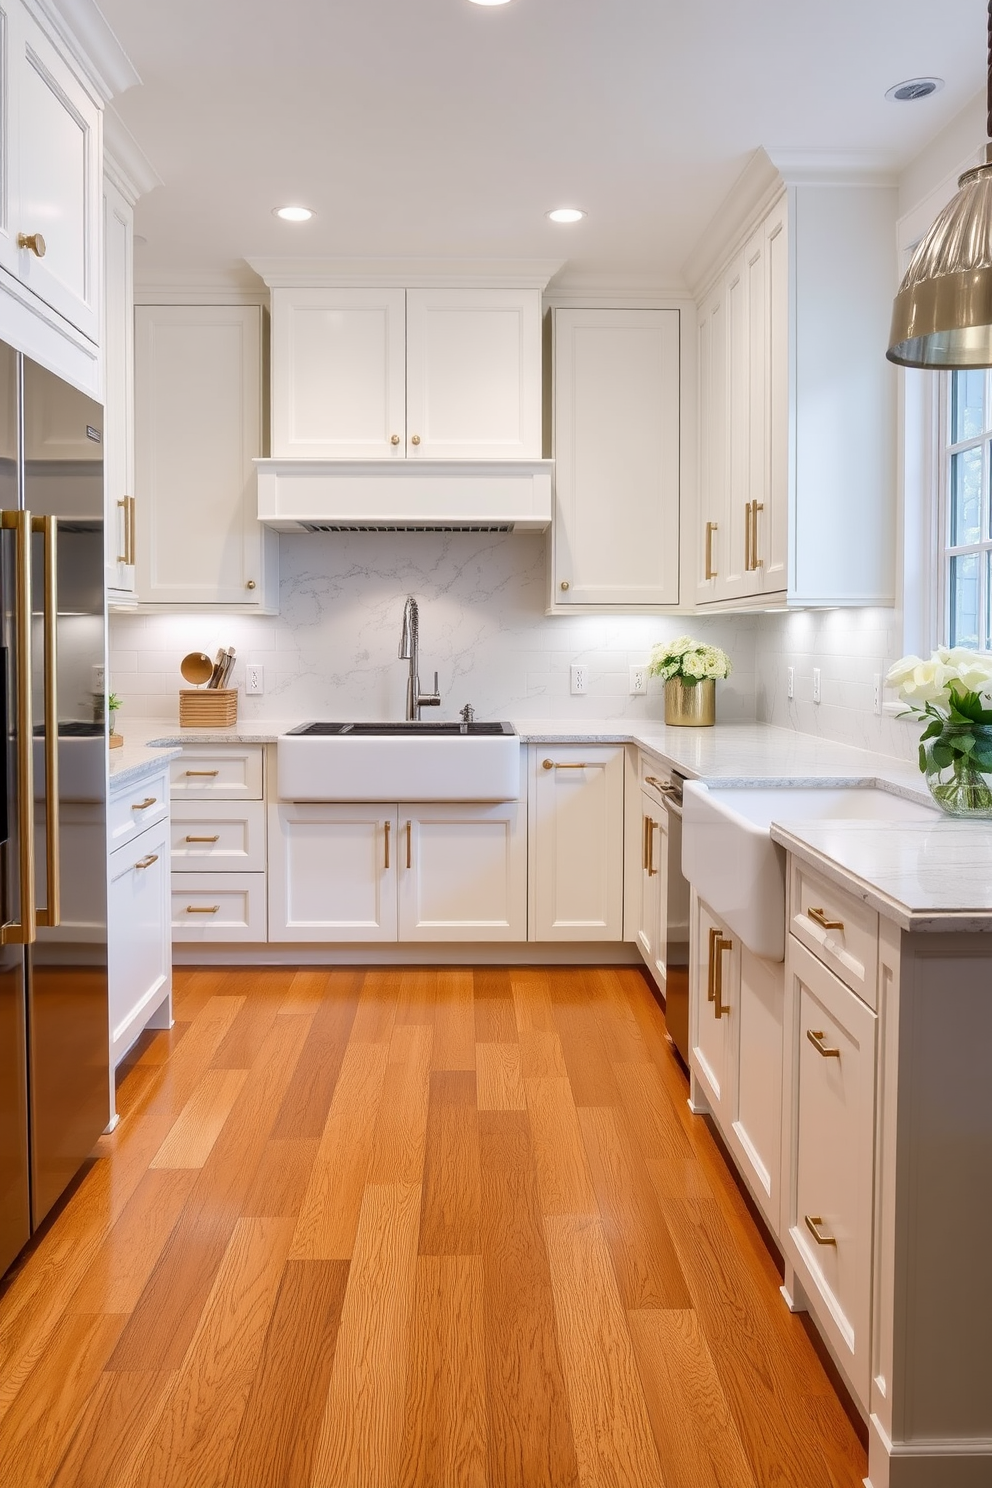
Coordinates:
column 409, row 1229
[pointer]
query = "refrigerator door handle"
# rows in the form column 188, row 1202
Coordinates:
column 23, row 931
column 50, row 914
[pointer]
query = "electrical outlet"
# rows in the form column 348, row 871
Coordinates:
column 790, row 682
column 99, row 678
column 254, row 679
column 638, row 680
column 579, row 673
column 816, row 684
column 877, row 692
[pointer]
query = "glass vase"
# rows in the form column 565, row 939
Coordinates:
column 957, row 764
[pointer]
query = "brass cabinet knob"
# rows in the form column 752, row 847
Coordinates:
column 250, row 584
column 564, row 584
column 414, row 438
column 34, row 241
column 395, row 439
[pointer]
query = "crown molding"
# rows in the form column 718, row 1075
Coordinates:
column 611, row 288
column 406, row 273
column 199, row 290
column 83, row 31
column 124, row 161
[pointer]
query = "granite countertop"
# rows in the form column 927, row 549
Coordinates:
column 923, row 876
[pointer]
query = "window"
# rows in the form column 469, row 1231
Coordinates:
column 965, row 509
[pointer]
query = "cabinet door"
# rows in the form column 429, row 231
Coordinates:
column 829, row 1235
column 338, row 374
column 139, row 940
column 118, row 430
column 462, row 872
column 55, row 186
column 576, row 843
column 755, row 1134
column 198, row 427
column 773, row 527
column 733, row 578
column 652, row 928
column 616, row 441
column 332, row 872
column 714, row 984
column 473, row 374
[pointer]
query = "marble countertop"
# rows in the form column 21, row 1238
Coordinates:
column 923, row 876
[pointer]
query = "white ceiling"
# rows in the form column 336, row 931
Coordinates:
column 445, row 129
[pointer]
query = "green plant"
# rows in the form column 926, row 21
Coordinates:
column 113, row 702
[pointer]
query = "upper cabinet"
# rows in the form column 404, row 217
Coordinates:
column 616, row 431
column 198, row 428
column 797, row 402
column 118, row 354
column 388, row 373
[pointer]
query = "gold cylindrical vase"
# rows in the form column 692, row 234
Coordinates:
column 690, row 706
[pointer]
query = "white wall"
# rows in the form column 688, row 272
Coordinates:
column 331, row 652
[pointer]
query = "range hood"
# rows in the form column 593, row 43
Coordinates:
column 405, row 495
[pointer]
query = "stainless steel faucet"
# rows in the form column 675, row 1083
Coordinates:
column 410, row 651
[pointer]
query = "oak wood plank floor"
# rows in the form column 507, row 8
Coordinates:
column 446, row 1228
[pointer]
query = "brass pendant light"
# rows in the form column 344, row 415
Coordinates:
column 942, row 315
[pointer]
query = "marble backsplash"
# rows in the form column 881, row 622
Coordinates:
column 331, row 652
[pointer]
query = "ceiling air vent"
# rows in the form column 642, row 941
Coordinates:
column 407, row 527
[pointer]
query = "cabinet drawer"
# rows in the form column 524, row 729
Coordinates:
column 840, row 930
column 218, row 837
column 654, row 778
column 218, row 906
column 131, row 810
column 228, row 772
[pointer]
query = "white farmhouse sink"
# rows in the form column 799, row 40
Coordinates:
column 731, row 861
column 399, row 762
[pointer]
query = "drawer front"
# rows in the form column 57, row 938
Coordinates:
column 840, row 930
column 218, row 906
column 135, row 807
column 221, row 772
column 218, row 837
column 654, row 778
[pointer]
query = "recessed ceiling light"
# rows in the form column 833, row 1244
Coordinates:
column 292, row 214
column 490, row 2
column 914, row 88
column 566, row 214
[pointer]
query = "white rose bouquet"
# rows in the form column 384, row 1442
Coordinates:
column 690, row 660
column 950, row 693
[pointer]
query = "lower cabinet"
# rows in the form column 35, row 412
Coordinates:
column 382, row 872
column 736, row 1058
column 652, row 922
column 218, row 844
column 575, row 842
column 139, row 943
column 828, row 1238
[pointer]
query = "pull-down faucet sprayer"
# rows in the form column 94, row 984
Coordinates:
column 409, row 650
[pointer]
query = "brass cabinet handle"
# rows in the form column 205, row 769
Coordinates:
column 720, row 945
column 665, row 786
column 202, row 908
column 144, row 805
column 203, row 772
column 813, row 1223
column 34, row 241
column 711, row 527
column 564, row 586
column 414, row 438
column 147, row 862
column 215, row 838
column 756, row 562
column 644, row 842
column 818, row 916
column 48, row 527
column 409, row 844
column 557, row 765
column 816, row 1039
column 711, row 964
column 122, row 505
column 652, row 828
column 395, row 439
column 250, row 584
column 747, row 537
column 24, row 930
column 130, row 546
column 386, row 826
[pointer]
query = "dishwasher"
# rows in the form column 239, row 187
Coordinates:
column 667, row 793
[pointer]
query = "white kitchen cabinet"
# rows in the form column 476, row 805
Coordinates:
column 796, row 412
column 118, row 431
column 714, row 983
column 139, row 943
column 652, row 927
column 217, row 844
column 381, row 872
column 575, row 842
column 616, row 437
column 828, row 1237
column 198, row 428
column 393, row 373
column 50, row 212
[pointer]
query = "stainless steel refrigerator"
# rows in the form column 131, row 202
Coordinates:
column 54, row 1041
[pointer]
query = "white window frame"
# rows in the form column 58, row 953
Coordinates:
column 946, row 449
